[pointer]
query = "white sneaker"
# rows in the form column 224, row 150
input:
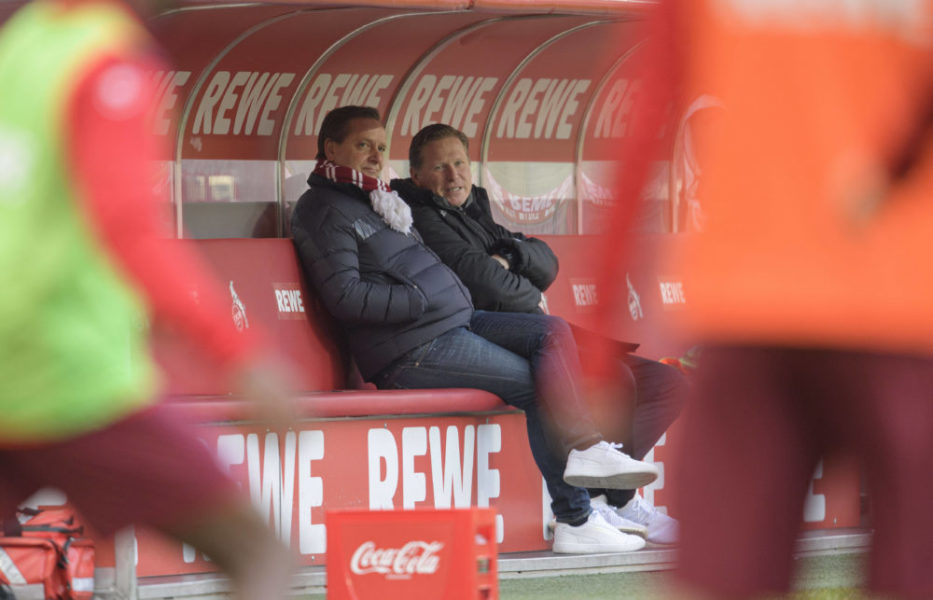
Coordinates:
column 662, row 529
column 611, row 515
column 602, row 465
column 592, row 537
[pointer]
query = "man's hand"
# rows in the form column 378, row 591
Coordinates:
column 502, row 261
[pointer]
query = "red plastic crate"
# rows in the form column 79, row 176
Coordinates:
column 405, row 554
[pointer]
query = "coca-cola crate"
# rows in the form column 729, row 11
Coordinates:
column 405, row 554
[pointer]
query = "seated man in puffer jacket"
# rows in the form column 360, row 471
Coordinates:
column 410, row 323
column 508, row 271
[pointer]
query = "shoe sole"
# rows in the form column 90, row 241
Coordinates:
column 616, row 481
column 642, row 532
column 575, row 548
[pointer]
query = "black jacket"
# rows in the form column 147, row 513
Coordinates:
column 465, row 238
column 387, row 289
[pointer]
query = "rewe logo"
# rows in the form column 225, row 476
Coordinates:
column 414, row 558
column 289, row 301
column 584, row 294
column 672, row 292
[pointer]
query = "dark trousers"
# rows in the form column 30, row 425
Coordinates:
column 528, row 360
column 531, row 361
column 655, row 396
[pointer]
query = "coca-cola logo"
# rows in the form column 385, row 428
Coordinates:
column 414, row 558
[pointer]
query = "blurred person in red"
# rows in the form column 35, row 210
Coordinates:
column 809, row 287
column 84, row 259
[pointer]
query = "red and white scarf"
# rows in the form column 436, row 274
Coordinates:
column 385, row 202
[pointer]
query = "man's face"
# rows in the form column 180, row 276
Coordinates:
column 445, row 170
column 362, row 149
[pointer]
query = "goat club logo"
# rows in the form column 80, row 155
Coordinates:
column 634, row 300
column 238, row 310
column 414, row 558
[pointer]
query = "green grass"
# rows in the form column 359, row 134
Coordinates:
column 818, row 578
column 834, row 577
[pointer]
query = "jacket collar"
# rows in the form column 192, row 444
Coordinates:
column 416, row 195
column 315, row 180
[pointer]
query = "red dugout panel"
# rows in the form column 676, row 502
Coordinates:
column 605, row 128
column 448, row 461
column 442, row 462
column 537, row 119
column 363, row 71
column 540, row 114
column 265, row 287
column 240, row 110
column 601, row 7
column 460, row 83
column 434, row 4
column 607, row 120
column 191, row 40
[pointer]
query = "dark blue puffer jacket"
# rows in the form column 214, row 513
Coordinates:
column 389, row 291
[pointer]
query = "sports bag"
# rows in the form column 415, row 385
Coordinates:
column 45, row 557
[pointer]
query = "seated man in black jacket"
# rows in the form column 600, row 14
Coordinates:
column 410, row 323
column 508, row 271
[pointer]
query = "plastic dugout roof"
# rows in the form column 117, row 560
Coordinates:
column 537, row 6
column 253, row 80
column 527, row 80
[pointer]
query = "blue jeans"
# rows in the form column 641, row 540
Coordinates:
column 529, row 362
